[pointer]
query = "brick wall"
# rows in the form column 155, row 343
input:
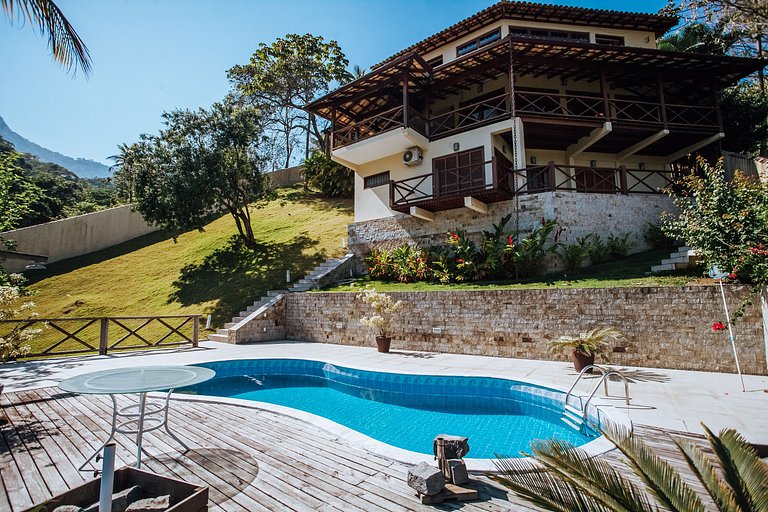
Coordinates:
column 666, row 327
column 577, row 215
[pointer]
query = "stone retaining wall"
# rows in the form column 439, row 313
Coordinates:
column 666, row 327
column 577, row 214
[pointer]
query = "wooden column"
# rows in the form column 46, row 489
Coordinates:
column 551, row 171
column 604, row 93
column 405, row 98
column 662, row 100
column 104, row 336
column 717, row 105
column 333, row 129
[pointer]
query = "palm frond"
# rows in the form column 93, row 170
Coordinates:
column 662, row 480
column 543, row 489
column 570, row 473
column 65, row 44
column 746, row 474
column 707, row 475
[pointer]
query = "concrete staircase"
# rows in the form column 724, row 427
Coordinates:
column 315, row 279
column 683, row 257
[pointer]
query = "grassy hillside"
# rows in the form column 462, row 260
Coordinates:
column 206, row 272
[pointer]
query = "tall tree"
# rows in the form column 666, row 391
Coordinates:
column 282, row 77
column 16, row 193
column 202, row 161
column 66, row 46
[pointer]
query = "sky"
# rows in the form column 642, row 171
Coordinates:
column 151, row 56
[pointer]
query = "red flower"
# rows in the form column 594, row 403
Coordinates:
column 511, row 240
column 732, row 276
column 718, row 326
column 459, row 260
column 455, row 236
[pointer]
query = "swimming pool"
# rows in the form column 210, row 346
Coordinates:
column 406, row 411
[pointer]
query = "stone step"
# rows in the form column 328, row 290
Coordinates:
column 274, row 293
column 229, row 324
column 301, row 288
column 306, row 281
column 672, row 261
column 222, row 331
column 218, row 337
column 662, row 268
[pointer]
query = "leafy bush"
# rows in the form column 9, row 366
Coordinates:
column 656, row 238
column 619, row 245
column 499, row 255
column 598, row 251
column 573, row 255
column 13, row 344
column 726, row 222
column 331, row 178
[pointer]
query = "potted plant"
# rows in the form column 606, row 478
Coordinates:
column 586, row 345
column 384, row 309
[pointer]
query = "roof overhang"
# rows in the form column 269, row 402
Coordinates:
column 532, row 11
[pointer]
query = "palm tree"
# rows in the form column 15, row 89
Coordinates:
column 67, row 47
column 567, row 479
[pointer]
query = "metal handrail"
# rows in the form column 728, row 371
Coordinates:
column 605, row 373
column 602, row 380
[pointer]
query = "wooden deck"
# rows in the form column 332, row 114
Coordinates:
column 253, row 460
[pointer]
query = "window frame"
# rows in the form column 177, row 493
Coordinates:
column 475, row 44
column 375, row 178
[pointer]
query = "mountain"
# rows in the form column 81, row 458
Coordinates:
column 80, row 166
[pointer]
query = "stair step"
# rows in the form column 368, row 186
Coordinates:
column 672, row 261
column 218, row 337
column 572, row 409
column 274, row 293
column 306, row 281
column 662, row 268
column 223, row 332
column 573, row 425
column 301, row 288
column 229, row 325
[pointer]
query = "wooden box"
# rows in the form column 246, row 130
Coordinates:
column 185, row 497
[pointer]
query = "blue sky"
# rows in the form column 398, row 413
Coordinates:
column 155, row 55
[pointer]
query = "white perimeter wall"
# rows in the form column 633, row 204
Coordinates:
column 78, row 235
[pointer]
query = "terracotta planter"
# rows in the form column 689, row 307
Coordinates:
column 581, row 360
column 383, row 343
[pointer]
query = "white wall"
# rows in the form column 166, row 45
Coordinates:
column 76, row 236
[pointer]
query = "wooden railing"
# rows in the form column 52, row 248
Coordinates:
column 529, row 180
column 531, row 104
column 69, row 336
column 470, row 116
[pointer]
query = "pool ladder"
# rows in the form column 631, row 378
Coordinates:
column 576, row 416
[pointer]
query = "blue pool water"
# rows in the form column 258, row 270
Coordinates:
column 407, row 411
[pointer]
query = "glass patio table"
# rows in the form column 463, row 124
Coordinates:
column 142, row 417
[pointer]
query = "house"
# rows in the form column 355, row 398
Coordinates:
column 537, row 110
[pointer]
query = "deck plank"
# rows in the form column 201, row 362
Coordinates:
column 251, row 459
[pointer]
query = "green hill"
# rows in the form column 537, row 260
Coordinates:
column 206, row 272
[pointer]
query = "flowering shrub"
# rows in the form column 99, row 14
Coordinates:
column 718, row 326
column 14, row 343
column 726, row 222
column 384, row 310
column 404, row 264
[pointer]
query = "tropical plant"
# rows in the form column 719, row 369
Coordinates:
column 565, row 478
column 14, row 343
column 201, row 161
column 619, row 245
column 492, row 256
column 573, row 255
column 331, row 178
column 588, row 343
column 66, row 46
column 656, row 238
column 528, row 254
column 384, row 309
column 404, row 264
column 465, row 256
column 726, row 222
column 598, row 250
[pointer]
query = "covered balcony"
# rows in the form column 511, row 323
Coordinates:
column 473, row 184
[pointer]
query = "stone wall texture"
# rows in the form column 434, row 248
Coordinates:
column 665, row 327
column 577, row 214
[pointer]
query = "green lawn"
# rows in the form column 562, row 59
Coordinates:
column 206, row 272
column 631, row 271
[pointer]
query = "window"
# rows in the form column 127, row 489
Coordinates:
column 609, row 40
column 437, row 61
column 376, row 180
column 556, row 35
column 481, row 41
column 459, row 172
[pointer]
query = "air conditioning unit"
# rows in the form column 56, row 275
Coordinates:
column 413, row 156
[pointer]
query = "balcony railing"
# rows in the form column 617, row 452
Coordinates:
column 531, row 104
column 429, row 191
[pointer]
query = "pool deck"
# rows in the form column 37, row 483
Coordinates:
column 254, row 459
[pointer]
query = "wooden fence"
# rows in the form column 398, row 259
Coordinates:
column 69, row 336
